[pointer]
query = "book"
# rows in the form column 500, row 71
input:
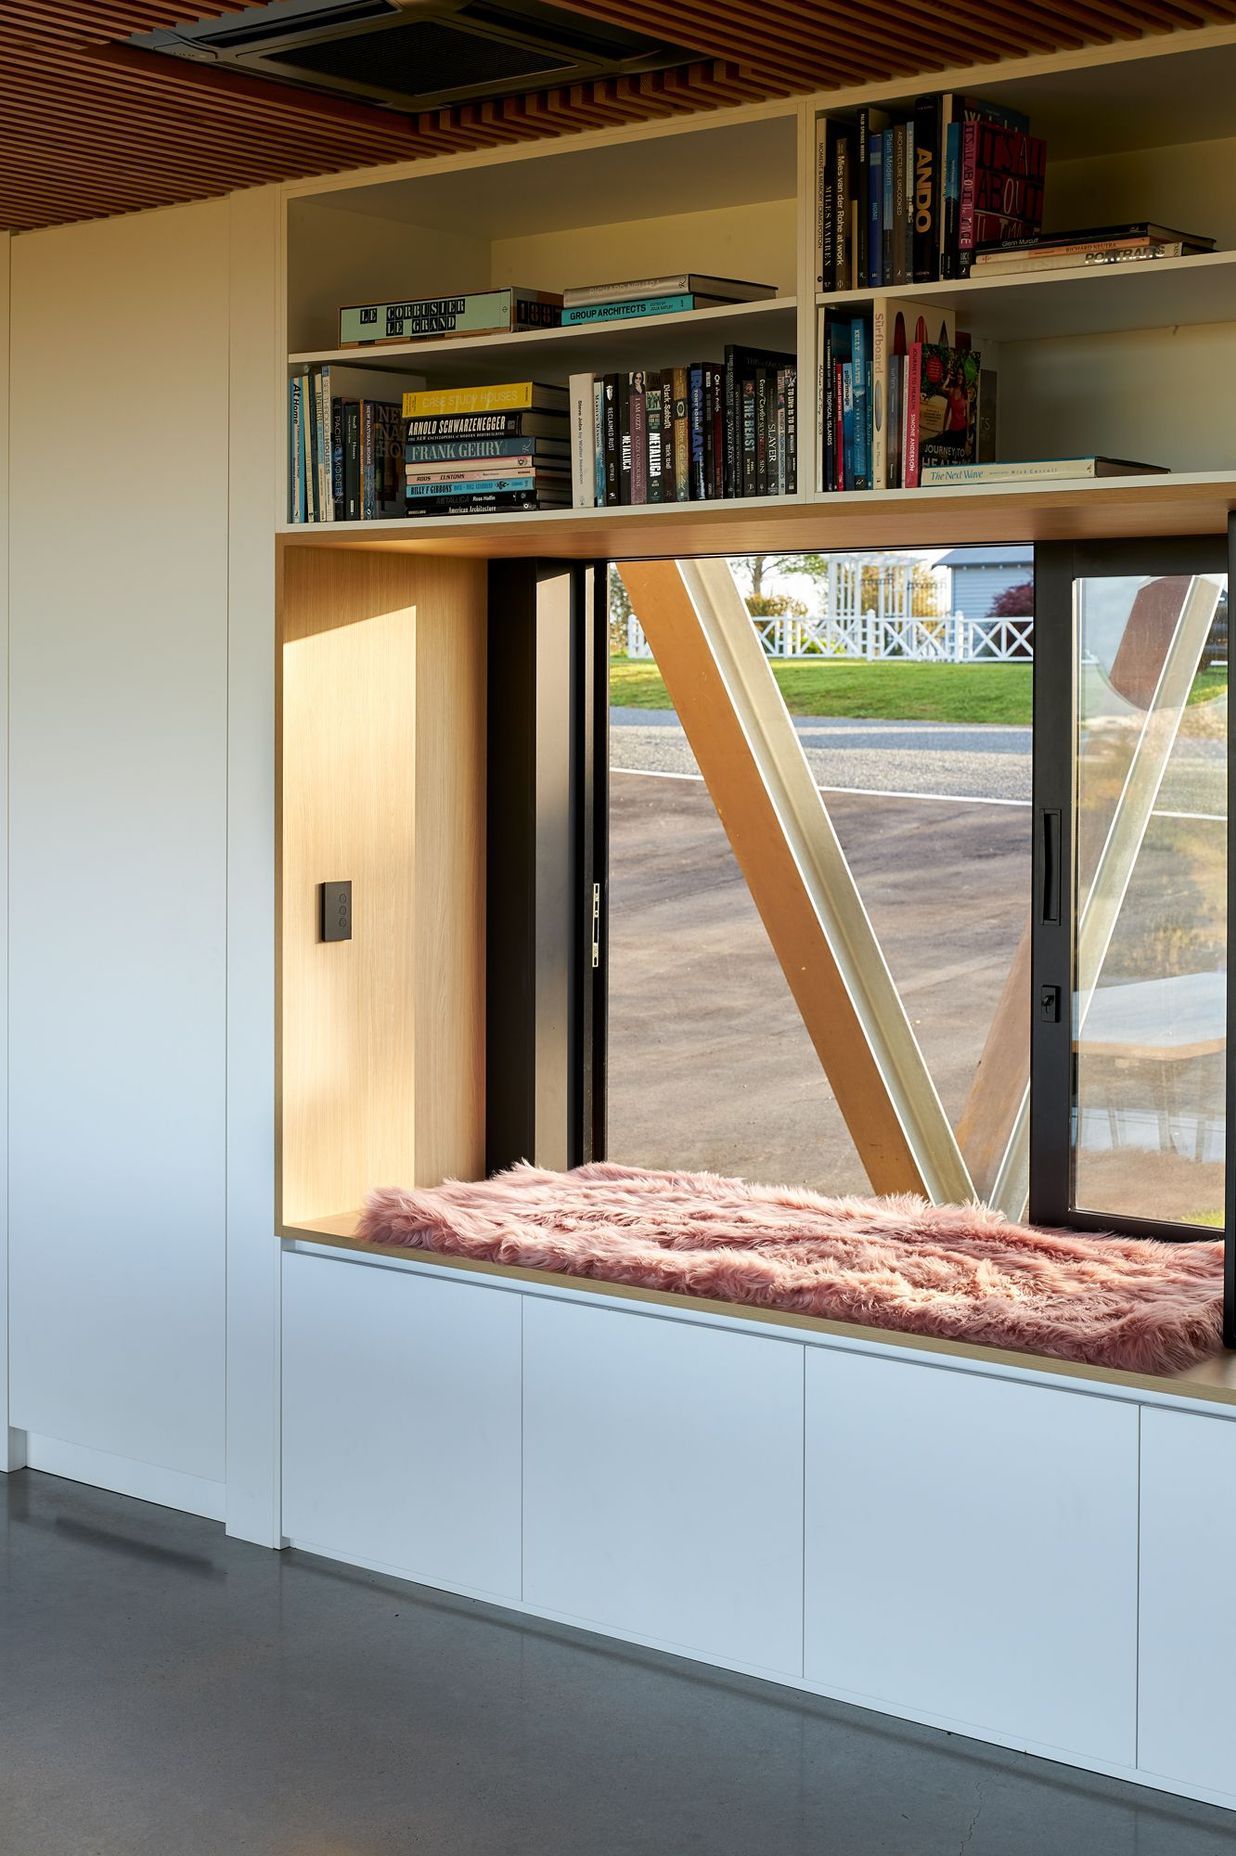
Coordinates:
column 633, row 308
column 1134, row 231
column 682, row 434
column 927, row 190
column 653, row 394
column 351, row 460
column 1001, row 187
column 583, row 441
column 610, row 442
column 1013, row 263
column 504, row 502
column 833, row 203
column 639, row 437
column 381, row 461
column 874, row 194
column 511, row 396
column 487, row 425
column 739, row 362
column 482, row 467
column 680, row 283
column 1035, row 469
column 479, row 486
column 859, row 352
column 451, row 450
column 895, row 324
column 695, row 420
column 598, row 427
column 791, row 430
column 480, row 312
column 296, row 478
column 948, row 406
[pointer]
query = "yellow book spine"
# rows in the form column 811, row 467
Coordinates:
column 516, row 397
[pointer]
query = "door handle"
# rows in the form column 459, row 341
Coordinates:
column 1049, row 865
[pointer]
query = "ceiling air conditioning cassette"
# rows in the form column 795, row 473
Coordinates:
column 416, row 54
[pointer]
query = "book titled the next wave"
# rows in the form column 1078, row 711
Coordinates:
column 483, row 312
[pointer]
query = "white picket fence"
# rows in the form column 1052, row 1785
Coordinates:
column 874, row 636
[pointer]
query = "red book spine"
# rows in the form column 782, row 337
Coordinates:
column 914, row 387
column 969, row 163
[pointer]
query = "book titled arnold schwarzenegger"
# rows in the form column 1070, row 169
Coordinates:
column 479, row 312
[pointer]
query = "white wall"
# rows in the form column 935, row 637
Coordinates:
column 123, row 578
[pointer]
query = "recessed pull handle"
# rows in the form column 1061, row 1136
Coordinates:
column 1049, row 909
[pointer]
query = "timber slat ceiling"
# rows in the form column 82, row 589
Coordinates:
column 89, row 126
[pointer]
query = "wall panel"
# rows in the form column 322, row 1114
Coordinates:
column 118, row 846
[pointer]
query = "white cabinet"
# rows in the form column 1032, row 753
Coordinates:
column 401, row 1433
column 1186, row 1692
column 663, row 1482
column 971, row 1552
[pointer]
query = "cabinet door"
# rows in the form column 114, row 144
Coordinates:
column 401, row 1421
column 971, row 1551
column 1186, row 1698
column 663, row 1482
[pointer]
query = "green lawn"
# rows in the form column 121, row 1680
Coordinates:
column 896, row 692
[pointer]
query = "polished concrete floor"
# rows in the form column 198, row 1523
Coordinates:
column 167, row 1692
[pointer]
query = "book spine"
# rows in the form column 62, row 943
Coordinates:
column 321, row 456
column 710, row 482
column 500, row 503
column 928, row 189
column 914, row 393
column 629, row 310
column 888, row 215
column 843, row 184
column 716, row 447
column 441, row 402
column 750, row 455
column 899, row 193
column 468, row 425
column 822, row 377
column 668, row 489
column 761, row 431
column 485, row 312
column 950, row 229
column 732, row 468
column 452, row 450
column 879, row 394
column 682, row 435
column 639, row 440
column 295, row 391
column 681, row 285
column 656, row 448
column 312, row 488
column 819, row 197
column 695, row 415
column 907, row 206
column 612, row 443
column 862, row 446
column 791, row 431
column 336, row 458
column 847, row 425
column 825, row 204
column 776, row 435
column 478, row 486
column 598, row 432
column 875, row 213
column 839, row 425
column 862, row 178
column 624, row 440
column 352, row 460
column 471, row 473
column 583, row 442
column 368, row 500
column 895, row 375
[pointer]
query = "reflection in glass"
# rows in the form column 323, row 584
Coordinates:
column 1150, row 961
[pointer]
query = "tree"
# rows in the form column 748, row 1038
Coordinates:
column 619, row 609
column 775, row 606
column 1016, row 602
column 755, row 568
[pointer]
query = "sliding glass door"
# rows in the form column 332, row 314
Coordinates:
column 1129, row 1073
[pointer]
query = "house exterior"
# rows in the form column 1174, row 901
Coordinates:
column 980, row 575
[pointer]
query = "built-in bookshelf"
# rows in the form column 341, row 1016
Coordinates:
column 1123, row 361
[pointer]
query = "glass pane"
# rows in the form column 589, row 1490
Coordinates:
column 1150, row 959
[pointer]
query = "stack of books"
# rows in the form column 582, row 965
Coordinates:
column 1139, row 242
column 486, row 450
column 898, row 398
column 345, row 440
column 910, row 200
column 703, row 431
column 656, row 296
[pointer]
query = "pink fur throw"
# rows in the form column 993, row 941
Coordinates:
column 956, row 1271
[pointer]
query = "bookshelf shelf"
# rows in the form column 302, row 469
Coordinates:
column 1086, row 300
column 553, row 354
column 1186, row 503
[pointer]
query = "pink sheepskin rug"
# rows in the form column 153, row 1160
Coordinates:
column 960, row 1272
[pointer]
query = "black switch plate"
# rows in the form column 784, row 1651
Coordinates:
column 335, row 911
column 1049, row 1004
